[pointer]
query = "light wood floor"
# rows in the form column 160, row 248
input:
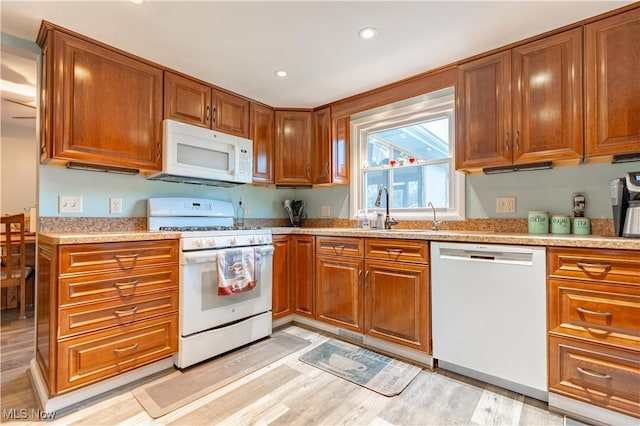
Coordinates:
column 287, row 392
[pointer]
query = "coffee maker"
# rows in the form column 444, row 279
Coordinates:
column 625, row 200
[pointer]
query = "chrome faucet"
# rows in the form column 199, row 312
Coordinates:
column 435, row 223
column 388, row 221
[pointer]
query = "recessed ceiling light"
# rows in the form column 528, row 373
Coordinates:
column 367, row 33
column 136, row 2
column 280, row 73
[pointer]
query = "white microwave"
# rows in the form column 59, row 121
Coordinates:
column 192, row 154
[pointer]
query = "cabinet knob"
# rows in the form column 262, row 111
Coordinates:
column 506, row 141
column 208, row 113
column 518, row 140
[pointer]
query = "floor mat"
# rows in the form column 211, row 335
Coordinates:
column 182, row 387
column 372, row 370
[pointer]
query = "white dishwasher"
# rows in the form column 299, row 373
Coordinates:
column 489, row 314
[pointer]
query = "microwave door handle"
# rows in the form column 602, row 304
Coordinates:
column 236, row 160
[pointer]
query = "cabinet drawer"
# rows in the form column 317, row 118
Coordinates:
column 121, row 284
column 341, row 246
column 615, row 266
column 599, row 375
column 95, row 316
column 597, row 312
column 120, row 256
column 400, row 250
column 96, row 356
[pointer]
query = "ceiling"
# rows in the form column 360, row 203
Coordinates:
column 238, row 45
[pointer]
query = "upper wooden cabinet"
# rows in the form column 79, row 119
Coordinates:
column 293, row 147
column 197, row 103
column 99, row 106
column 261, row 132
column 186, row 100
column 612, row 70
column 521, row 106
column 322, row 146
column 330, row 149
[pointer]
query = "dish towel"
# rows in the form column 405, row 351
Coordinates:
column 236, row 271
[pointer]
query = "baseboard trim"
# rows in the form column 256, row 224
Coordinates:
column 55, row 403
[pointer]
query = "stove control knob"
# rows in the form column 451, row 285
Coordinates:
column 211, row 242
column 232, row 241
column 252, row 239
column 199, row 242
column 260, row 239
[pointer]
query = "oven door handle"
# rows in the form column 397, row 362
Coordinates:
column 200, row 257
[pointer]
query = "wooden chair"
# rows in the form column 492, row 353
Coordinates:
column 15, row 272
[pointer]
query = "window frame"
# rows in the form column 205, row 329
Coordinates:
column 398, row 114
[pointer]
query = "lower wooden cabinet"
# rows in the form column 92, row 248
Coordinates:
column 293, row 276
column 377, row 287
column 303, row 274
column 104, row 309
column 594, row 334
column 92, row 357
column 281, row 290
column 397, row 303
column 339, row 296
column 595, row 374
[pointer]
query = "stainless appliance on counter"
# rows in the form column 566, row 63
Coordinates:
column 625, row 201
column 219, row 310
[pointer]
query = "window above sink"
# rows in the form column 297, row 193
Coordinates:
column 408, row 147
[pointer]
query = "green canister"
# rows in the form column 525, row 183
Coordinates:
column 560, row 224
column 538, row 222
column 581, row 226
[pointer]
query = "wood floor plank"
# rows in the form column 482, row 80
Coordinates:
column 225, row 406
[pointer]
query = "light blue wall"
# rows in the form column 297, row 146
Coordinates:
column 96, row 188
column 549, row 190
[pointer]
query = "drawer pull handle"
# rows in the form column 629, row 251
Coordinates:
column 131, row 283
column 394, row 250
column 126, row 311
column 588, row 312
column 338, row 247
column 594, row 374
column 594, row 268
column 133, row 256
column 130, row 348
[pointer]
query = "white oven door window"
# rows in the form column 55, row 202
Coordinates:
column 201, row 308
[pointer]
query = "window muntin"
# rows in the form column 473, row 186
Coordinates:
column 418, row 136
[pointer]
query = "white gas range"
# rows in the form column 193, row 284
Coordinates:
column 225, row 276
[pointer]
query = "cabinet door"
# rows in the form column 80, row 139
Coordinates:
column 107, row 107
column 339, row 299
column 262, row 134
column 322, row 146
column 281, row 277
column 187, row 100
column 340, row 150
column 230, row 114
column 397, row 303
column 293, row 148
column 612, row 67
column 547, row 99
column 483, row 98
column 303, row 274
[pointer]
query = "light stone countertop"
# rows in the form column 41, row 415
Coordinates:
column 488, row 237
column 104, row 237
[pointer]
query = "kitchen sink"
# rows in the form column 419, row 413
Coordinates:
column 429, row 231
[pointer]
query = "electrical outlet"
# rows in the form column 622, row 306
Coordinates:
column 69, row 204
column 505, row 204
column 325, row 211
column 246, row 209
column 115, row 205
